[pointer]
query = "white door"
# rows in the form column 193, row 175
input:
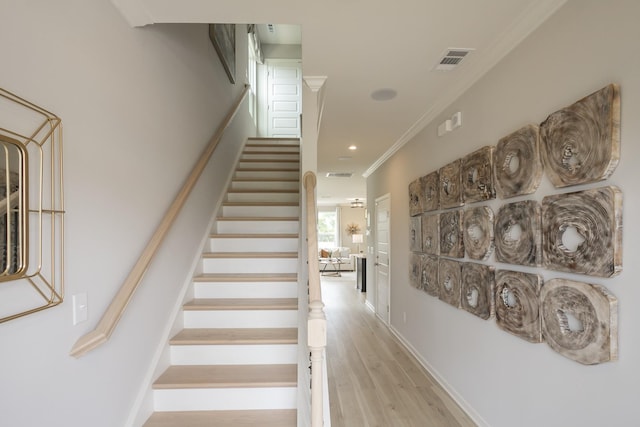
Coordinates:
column 284, row 98
column 382, row 255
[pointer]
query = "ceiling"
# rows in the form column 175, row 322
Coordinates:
column 363, row 46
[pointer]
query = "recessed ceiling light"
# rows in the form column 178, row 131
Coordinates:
column 385, row 94
column 353, row 147
column 345, row 158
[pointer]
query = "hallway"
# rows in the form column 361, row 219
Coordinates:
column 373, row 380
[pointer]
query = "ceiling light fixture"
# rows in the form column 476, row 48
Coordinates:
column 385, row 94
column 353, row 147
column 357, row 203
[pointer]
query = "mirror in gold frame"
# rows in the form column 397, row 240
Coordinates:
column 13, row 208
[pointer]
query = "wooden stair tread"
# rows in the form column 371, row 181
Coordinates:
column 227, row 376
column 221, row 336
column 214, row 255
column 246, row 277
column 241, row 304
column 265, row 180
column 250, row 418
column 245, row 169
column 253, row 236
column 269, row 153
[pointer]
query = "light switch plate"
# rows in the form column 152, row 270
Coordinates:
column 80, row 308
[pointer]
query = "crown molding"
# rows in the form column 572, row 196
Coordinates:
column 528, row 21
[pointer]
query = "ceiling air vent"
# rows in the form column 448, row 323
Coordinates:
column 339, row 174
column 452, row 58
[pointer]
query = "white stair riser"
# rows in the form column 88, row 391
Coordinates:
column 271, row 165
column 250, row 265
column 265, row 185
column 264, row 354
column 246, row 244
column 263, row 197
column 262, row 211
column 271, row 157
column 211, row 399
column 253, row 174
column 293, row 150
column 241, row 319
column 257, row 227
column 246, row 290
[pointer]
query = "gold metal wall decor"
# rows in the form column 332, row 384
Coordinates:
column 31, row 208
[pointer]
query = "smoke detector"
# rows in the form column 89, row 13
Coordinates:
column 451, row 58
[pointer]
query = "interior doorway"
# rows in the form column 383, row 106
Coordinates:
column 382, row 256
column 284, row 98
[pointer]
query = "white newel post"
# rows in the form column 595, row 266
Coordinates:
column 317, row 341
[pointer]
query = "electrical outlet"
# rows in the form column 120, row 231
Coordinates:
column 80, row 308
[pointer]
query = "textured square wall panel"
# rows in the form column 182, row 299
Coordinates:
column 516, row 163
column 582, row 232
column 581, row 143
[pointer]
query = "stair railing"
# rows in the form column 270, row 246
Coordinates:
column 316, row 323
column 118, row 305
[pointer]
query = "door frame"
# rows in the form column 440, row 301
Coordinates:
column 386, row 320
column 264, row 91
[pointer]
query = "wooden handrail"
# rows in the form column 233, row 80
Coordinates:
column 116, row 309
column 316, row 323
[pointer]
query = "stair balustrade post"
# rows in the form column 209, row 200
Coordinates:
column 317, row 342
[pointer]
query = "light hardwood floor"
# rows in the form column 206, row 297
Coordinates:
column 373, row 380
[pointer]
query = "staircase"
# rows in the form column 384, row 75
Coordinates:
column 235, row 361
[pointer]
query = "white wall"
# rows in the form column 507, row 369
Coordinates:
column 504, row 380
column 138, row 106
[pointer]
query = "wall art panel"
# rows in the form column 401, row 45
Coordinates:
column 517, row 165
column 581, row 143
column 582, row 232
column 429, row 274
column 580, row 320
column 416, row 200
column 415, row 268
column 478, row 232
column 477, row 289
column 415, row 234
column 431, row 195
column 451, row 238
column 517, row 304
column 451, row 186
column 477, row 176
column 518, row 234
column 450, row 281
column 431, row 234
